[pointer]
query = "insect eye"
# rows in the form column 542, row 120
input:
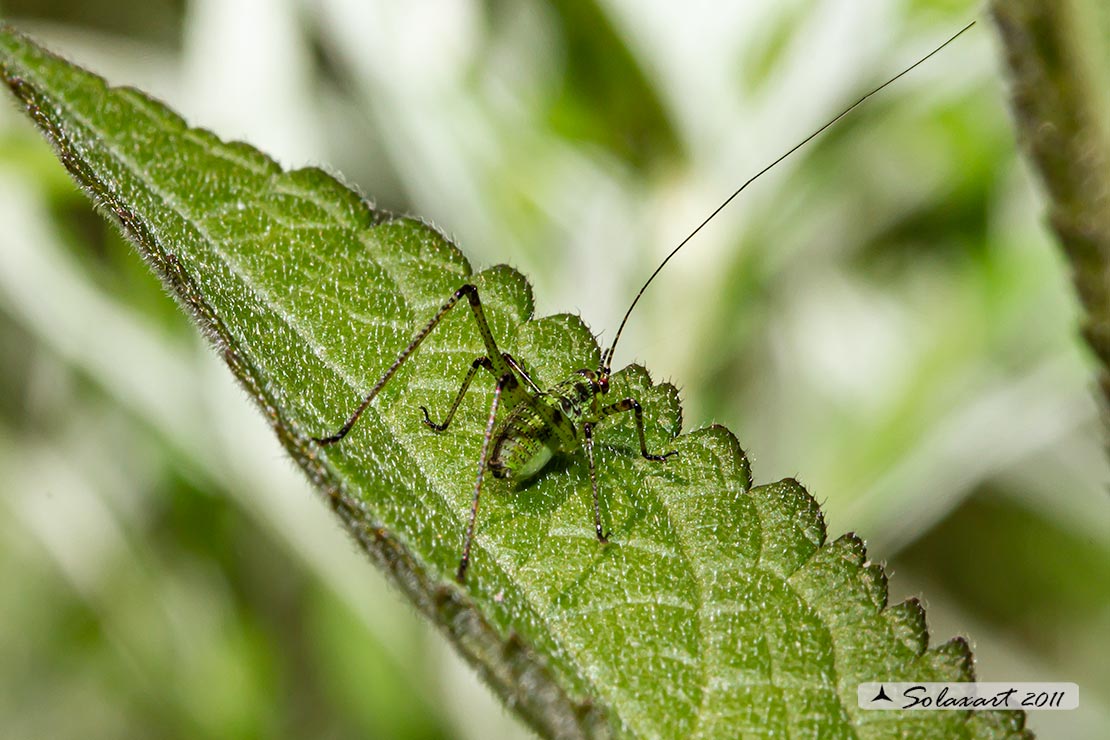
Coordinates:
column 603, row 383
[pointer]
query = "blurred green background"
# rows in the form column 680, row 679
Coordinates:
column 884, row 317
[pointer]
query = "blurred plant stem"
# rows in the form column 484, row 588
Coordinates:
column 1057, row 55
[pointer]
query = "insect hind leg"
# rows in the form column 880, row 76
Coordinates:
column 505, row 381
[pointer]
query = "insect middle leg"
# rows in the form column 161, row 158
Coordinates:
column 499, row 365
column 479, row 362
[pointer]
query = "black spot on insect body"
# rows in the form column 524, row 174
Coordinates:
column 562, row 428
column 570, row 408
column 584, row 392
column 496, row 467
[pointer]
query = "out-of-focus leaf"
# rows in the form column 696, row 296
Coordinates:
column 1059, row 58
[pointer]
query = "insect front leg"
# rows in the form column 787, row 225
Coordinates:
column 505, row 381
column 631, row 404
column 497, row 362
column 588, row 444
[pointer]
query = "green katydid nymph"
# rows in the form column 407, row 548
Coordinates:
column 540, row 424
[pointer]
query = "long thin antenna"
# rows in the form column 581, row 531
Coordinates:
column 607, row 358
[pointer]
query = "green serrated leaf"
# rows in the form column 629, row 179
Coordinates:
column 718, row 609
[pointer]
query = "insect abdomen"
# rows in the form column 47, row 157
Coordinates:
column 524, row 444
